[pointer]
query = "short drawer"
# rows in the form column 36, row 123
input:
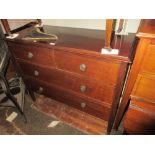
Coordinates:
column 32, row 54
column 78, row 83
column 140, row 118
column 88, row 66
column 148, row 64
column 145, row 87
column 69, row 98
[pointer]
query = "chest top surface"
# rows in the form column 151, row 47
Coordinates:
column 84, row 39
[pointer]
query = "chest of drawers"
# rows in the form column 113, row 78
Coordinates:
column 75, row 74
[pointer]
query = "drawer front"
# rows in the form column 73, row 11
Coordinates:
column 148, row 64
column 74, row 82
column 33, row 54
column 140, row 118
column 145, row 87
column 69, row 98
column 97, row 69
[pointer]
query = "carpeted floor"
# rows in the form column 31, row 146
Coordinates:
column 37, row 123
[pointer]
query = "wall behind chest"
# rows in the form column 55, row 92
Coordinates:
column 99, row 24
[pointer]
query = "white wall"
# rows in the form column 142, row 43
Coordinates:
column 16, row 23
column 77, row 23
column 132, row 24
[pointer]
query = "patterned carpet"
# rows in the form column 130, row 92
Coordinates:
column 37, row 124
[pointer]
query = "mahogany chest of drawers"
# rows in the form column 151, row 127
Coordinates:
column 140, row 87
column 74, row 71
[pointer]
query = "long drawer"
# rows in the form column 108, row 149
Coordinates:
column 72, row 99
column 145, row 87
column 88, row 66
column 140, row 118
column 81, row 84
column 33, row 54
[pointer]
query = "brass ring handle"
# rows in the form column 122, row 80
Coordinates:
column 40, row 90
column 83, row 88
column 36, row 73
column 83, row 67
column 83, row 105
column 30, row 55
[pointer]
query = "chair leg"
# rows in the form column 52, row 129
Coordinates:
column 12, row 98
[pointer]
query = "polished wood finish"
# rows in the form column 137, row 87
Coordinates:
column 131, row 80
column 140, row 83
column 89, row 41
column 148, row 65
column 70, row 98
column 108, row 36
column 68, row 80
column 32, row 54
column 95, row 68
column 59, row 71
column 140, row 118
column 144, row 87
column 116, row 98
column 146, row 29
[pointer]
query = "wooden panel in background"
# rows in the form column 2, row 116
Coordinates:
column 148, row 64
column 140, row 118
column 145, row 87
